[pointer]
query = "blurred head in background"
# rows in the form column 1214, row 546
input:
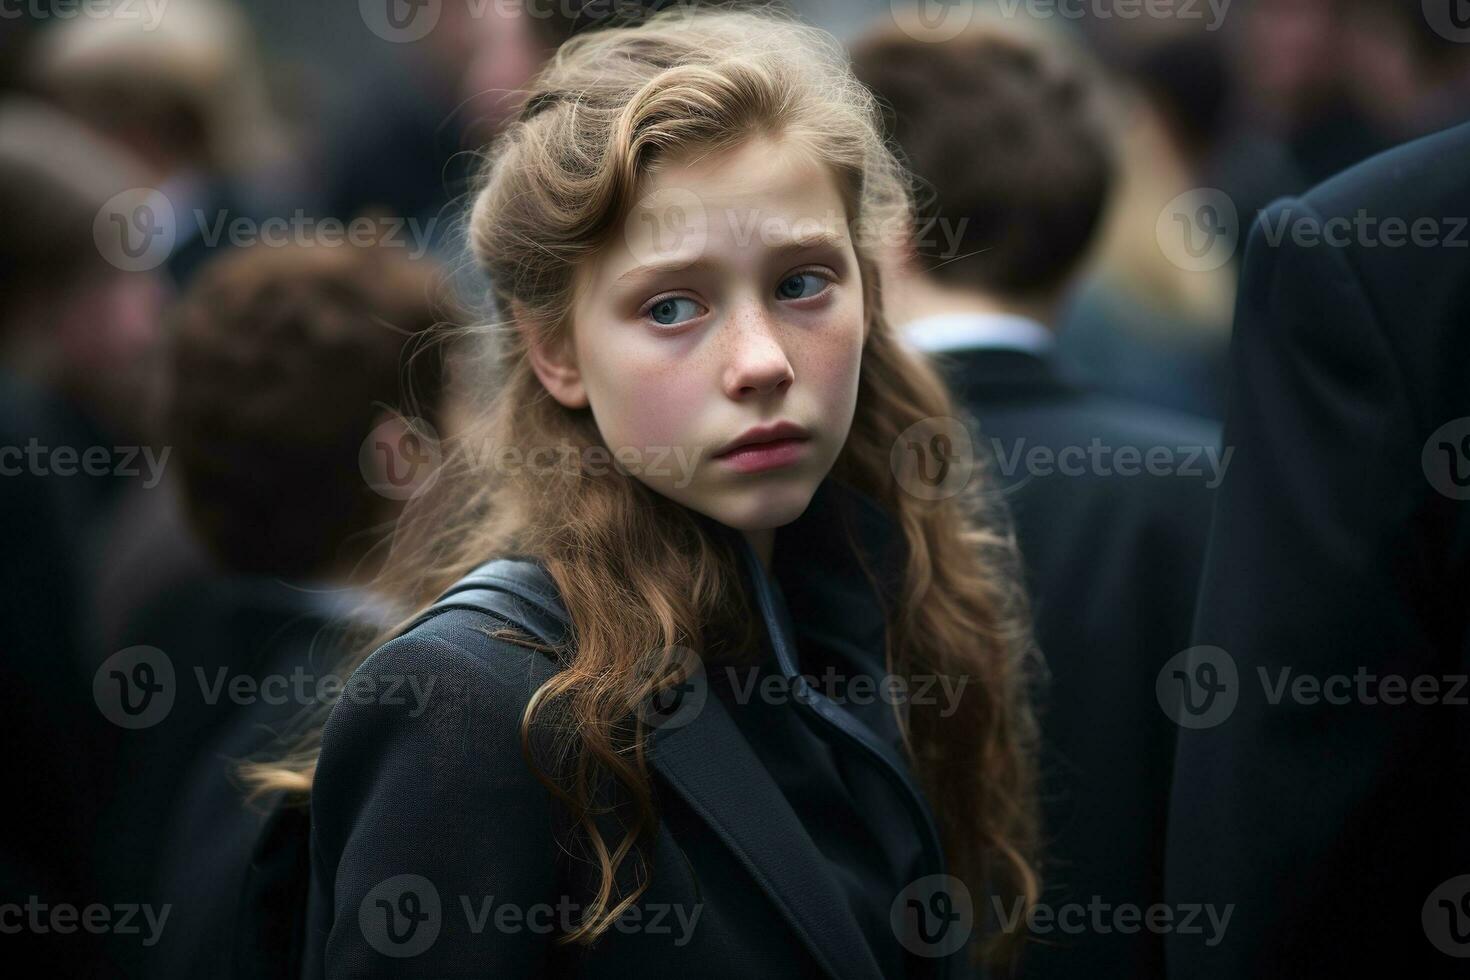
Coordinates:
column 71, row 318
column 1172, row 92
column 512, row 39
column 184, row 94
column 288, row 372
column 1003, row 130
column 1408, row 78
column 1340, row 80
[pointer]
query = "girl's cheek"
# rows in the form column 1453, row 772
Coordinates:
column 657, row 400
column 835, row 357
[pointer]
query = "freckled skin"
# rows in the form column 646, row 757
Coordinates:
column 750, row 346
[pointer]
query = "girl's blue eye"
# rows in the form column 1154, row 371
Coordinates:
column 668, row 311
column 801, row 285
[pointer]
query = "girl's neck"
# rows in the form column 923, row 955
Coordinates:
column 763, row 542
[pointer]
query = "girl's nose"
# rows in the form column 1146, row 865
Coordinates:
column 757, row 361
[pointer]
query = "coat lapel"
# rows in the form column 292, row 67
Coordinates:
column 712, row 767
column 709, row 763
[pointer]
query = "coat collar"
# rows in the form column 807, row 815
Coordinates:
column 836, row 572
column 987, row 376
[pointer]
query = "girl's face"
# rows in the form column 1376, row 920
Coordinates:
column 718, row 338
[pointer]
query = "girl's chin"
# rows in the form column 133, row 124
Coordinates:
column 759, row 506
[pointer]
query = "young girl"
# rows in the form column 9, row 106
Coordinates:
column 780, row 729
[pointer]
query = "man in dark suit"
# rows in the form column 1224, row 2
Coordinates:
column 1330, row 805
column 1110, row 498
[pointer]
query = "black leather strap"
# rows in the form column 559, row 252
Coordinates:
column 515, row 591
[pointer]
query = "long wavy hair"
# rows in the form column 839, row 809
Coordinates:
column 638, row 573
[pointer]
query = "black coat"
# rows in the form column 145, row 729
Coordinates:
column 1112, row 560
column 1341, row 544
column 790, row 828
column 233, row 875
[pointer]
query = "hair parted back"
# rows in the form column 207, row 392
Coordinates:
column 639, row 574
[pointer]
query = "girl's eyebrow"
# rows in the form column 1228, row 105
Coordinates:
column 823, row 239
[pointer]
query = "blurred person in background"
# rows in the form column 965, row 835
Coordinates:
column 76, row 338
column 1320, row 789
column 287, row 373
column 74, row 320
column 1332, row 82
column 515, row 38
column 401, row 146
column 1004, row 132
column 16, row 40
column 1409, row 79
column 411, row 148
column 1141, row 325
column 186, row 96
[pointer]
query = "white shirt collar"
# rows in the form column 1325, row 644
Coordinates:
column 969, row 331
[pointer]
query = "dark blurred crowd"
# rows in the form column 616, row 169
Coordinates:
column 215, row 286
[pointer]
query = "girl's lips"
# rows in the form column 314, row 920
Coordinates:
column 760, row 456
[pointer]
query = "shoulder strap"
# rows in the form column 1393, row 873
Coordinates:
column 517, row 591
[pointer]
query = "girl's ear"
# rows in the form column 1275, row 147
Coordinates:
column 555, row 364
